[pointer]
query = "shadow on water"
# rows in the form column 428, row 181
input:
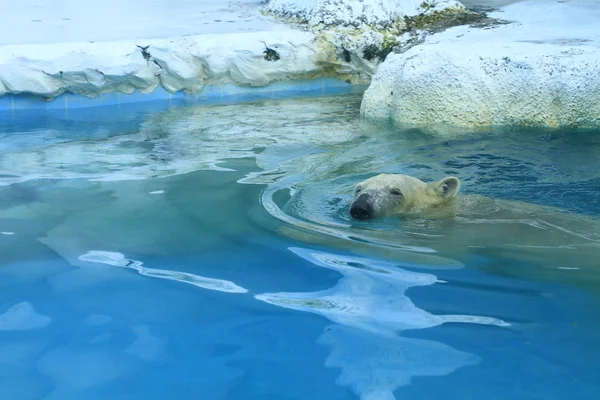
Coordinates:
column 165, row 249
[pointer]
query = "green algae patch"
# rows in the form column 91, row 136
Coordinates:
column 372, row 51
column 438, row 21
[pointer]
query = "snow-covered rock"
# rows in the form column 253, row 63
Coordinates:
column 544, row 70
column 355, row 13
column 51, row 47
column 361, row 33
column 185, row 63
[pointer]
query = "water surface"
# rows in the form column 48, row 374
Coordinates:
column 207, row 252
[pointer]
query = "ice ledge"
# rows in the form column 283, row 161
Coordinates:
column 185, row 64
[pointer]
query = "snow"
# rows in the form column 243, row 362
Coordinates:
column 381, row 13
column 542, row 70
column 51, row 47
column 56, row 21
column 97, row 48
column 183, row 63
column 369, row 309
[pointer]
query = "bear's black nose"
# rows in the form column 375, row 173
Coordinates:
column 361, row 208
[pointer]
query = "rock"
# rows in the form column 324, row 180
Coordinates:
column 357, row 35
column 356, row 13
column 177, row 64
column 179, row 49
column 365, row 33
column 543, row 70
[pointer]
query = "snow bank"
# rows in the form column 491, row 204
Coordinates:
column 363, row 32
column 179, row 64
column 51, row 47
column 542, row 70
column 58, row 21
column 355, row 13
column 184, row 63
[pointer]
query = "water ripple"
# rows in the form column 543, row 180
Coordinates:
column 370, row 307
column 119, row 260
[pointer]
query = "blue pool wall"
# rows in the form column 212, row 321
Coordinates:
column 209, row 94
column 72, row 116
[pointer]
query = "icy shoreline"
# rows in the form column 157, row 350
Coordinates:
column 541, row 67
column 258, row 50
column 168, row 51
column 178, row 64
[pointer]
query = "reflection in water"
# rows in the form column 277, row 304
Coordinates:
column 75, row 371
column 370, row 305
column 369, row 296
column 188, row 139
column 119, row 260
column 146, row 346
column 374, row 366
column 22, row 317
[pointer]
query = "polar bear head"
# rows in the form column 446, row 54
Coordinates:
column 388, row 194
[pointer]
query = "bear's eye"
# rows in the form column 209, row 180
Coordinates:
column 396, row 192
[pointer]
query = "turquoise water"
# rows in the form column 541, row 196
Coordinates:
column 206, row 252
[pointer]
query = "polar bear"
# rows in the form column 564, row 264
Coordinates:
column 434, row 215
column 388, row 194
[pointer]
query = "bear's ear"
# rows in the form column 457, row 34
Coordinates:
column 448, row 186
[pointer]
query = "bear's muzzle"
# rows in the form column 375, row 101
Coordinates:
column 362, row 208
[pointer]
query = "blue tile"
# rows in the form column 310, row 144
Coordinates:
column 6, row 102
column 211, row 91
column 81, row 101
column 209, row 94
column 28, row 101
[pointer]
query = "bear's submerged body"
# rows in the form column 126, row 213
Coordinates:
column 462, row 227
column 545, row 236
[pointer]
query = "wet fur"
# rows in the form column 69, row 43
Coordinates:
column 391, row 194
